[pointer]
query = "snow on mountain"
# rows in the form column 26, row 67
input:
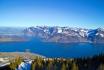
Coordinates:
column 92, row 34
column 59, row 30
column 66, row 34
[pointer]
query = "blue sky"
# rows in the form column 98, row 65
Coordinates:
column 72, row 13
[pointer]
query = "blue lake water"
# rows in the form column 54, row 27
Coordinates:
column 54, row 49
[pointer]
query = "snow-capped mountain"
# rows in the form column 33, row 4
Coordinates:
column 65, row 34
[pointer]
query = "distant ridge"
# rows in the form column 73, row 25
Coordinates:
column 52, row 34
column 66, row 34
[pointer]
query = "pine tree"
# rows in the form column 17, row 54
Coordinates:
column 101, row 67
column 33, row 65
column 50, row 66
column 63, row 66
column 74, row 66
column 14, row 63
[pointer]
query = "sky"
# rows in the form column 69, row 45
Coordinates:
column 72, row 13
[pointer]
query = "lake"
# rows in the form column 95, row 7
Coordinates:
column 72, row 50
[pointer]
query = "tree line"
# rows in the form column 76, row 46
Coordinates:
column 88, row 63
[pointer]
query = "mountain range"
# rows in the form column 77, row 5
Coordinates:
column 52, row 34
column 65, row 34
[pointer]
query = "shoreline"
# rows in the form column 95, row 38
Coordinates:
column 20, row 54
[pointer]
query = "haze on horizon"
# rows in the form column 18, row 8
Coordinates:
column 72, row 13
